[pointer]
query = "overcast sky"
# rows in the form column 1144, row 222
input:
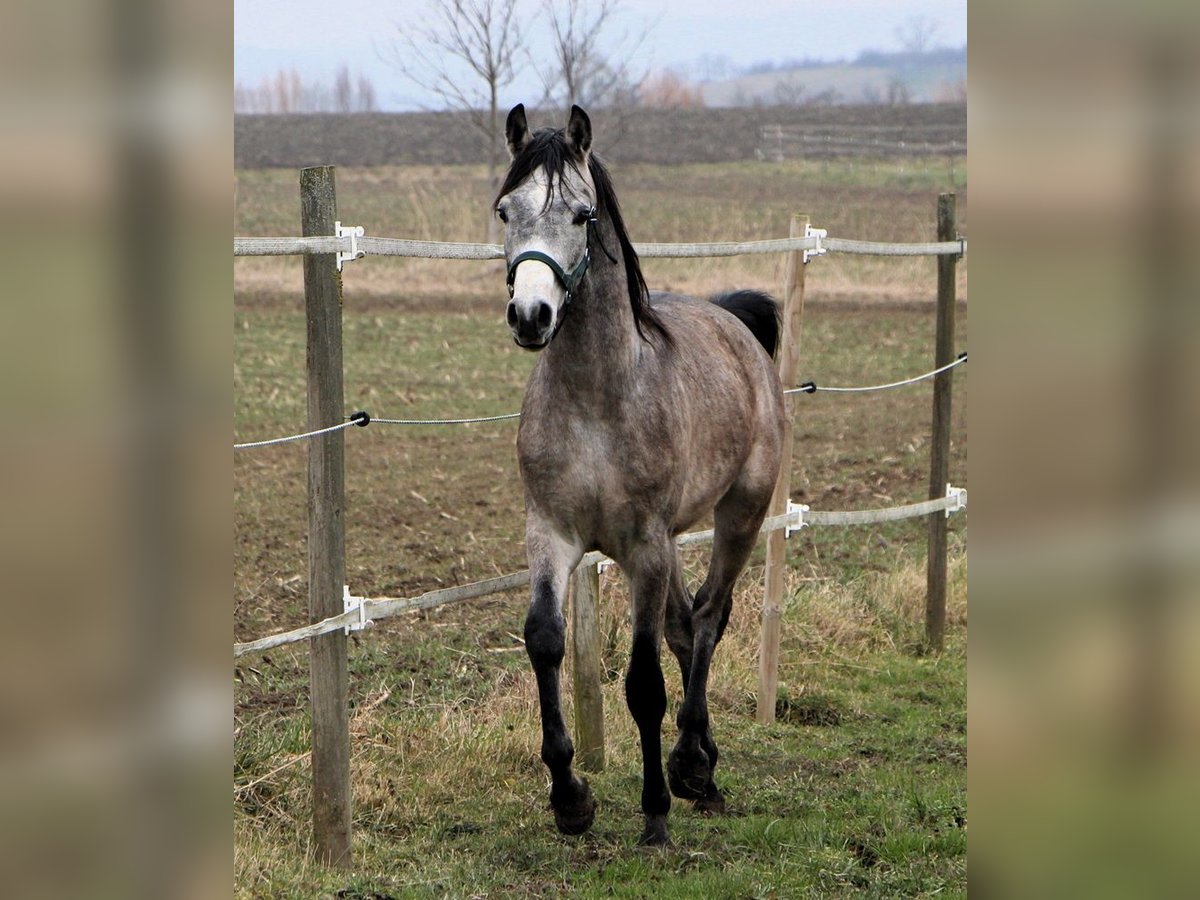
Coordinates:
column 316, row 36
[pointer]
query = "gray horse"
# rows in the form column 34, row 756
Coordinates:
column 644, row 413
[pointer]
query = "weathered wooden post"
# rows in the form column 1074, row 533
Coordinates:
column 588, row 672
column 939, row 455
column 326, row 526
column 776, row 564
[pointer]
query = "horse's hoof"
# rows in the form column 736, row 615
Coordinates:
column 575, row 814
column 655, row 834
column 711, row 805
column 689, row 774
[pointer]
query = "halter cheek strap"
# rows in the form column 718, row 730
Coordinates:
column 569, row 280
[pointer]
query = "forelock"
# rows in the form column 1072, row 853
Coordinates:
column 548, row 150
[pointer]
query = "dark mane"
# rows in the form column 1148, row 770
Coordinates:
column 548, row 148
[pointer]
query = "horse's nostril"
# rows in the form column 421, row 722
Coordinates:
column 545, row 314
column 511, row 315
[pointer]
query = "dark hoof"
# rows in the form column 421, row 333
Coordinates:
column 689, row 773
column 574, row 812
column 655, row 833
column 712, row 805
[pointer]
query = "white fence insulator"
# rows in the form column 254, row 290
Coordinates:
column 355, row 605
column 957, row 498
column 353, row 232
column 799, row 510
column 817, row 234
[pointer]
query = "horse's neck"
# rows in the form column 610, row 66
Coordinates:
column 598, row 348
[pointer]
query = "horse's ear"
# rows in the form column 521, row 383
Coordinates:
column 579, row 131
column 516, row 130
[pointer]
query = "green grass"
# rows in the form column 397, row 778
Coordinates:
column 857, row 790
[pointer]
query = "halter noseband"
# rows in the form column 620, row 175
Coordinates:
column 569, row 281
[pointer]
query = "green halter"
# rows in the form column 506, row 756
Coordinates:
column 570, row 281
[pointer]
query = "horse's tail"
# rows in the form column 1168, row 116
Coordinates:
column 757, row 311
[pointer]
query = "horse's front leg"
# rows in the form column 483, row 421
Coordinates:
column 551, row 560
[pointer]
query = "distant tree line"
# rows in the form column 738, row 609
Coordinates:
column 287, row 92
column 937, row 56
column 866, row 59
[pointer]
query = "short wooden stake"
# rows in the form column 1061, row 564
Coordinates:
column 939, row 457
column 588, row 669
column 776, row 564
column 326, row 527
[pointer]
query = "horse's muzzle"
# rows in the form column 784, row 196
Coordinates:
column 531, row 323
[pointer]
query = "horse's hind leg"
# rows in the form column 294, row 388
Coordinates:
column 694, row 758
column 551, row 559
column 649, row 568
column 678, row 620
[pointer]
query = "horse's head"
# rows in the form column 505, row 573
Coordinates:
column 548, row 206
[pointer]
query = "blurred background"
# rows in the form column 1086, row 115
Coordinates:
column 118, row 154
column 1085, row 127
column 116, row 149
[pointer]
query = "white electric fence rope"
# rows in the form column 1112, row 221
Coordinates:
column 810, row 387
column 380, row 246
column 473, row 421
column 293, row 437
column 806, row 388
column 361, row 611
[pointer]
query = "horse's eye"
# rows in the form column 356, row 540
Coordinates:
column 581, row 216
column 502, row 215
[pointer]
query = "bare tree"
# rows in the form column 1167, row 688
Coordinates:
column 366, row 95
column 289, row 91
column 343, row 90
column 591, row 65
column 463, row 54
column 714, row 66
column 916, row 34
column 898, row 92
column 790, row 91
column 828, row 97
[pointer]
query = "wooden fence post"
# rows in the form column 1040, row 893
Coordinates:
column 776, row 564
column 326, row 527
column 939, row 455
column 587, row 675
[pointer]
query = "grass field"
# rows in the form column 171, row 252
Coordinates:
column 858, row 789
